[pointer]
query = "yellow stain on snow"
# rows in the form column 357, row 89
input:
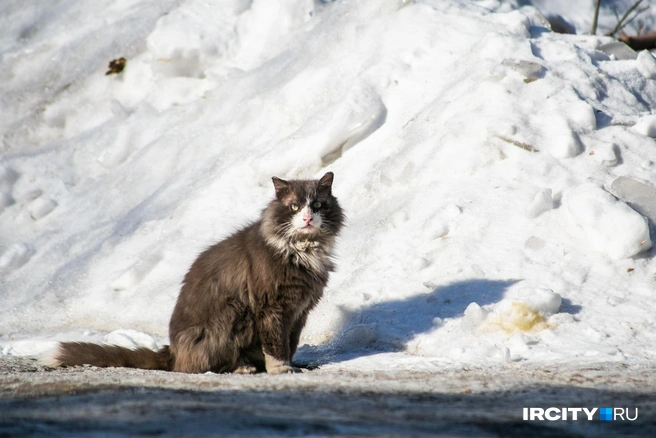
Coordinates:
column 520, row 318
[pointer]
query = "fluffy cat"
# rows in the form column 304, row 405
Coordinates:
column 245, row 300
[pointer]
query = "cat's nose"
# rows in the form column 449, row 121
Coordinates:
column 307, row 219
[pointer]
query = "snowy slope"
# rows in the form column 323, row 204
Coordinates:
column 498, row 178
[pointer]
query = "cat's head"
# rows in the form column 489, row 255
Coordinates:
column 303, row 210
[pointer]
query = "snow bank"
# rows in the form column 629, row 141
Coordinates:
column 469, row 146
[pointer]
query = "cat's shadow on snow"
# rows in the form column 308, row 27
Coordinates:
column 388, row 326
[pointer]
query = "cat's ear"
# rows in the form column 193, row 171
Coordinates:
column 324, row 187
column 281, row 186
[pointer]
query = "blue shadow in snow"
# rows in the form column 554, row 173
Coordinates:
column 388, row 326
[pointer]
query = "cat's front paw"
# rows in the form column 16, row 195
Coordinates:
column 284, row 369
column 245, row 369
column 278, row 366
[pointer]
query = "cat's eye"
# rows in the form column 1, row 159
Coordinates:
column 316, row 205
column 294, row 207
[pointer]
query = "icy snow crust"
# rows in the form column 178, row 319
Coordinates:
column 498, row 178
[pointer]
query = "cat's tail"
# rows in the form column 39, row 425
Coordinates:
column 84, row 353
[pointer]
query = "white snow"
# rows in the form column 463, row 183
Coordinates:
column 130, row 339
column 646, row 64
column 612, row 226
column 638, row 195
column 498, row 178
column 646, row 126
column 14, row 256
column 542, row 202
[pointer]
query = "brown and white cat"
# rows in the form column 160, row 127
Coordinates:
column 245, row 300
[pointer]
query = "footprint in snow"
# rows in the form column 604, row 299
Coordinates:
column 135, row 274
column 15, row 256
column 359, row 116
column 41, row 207
column 8, row 178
